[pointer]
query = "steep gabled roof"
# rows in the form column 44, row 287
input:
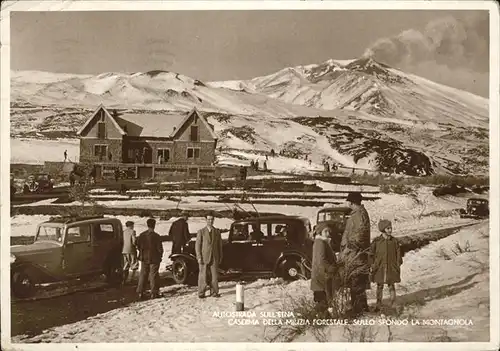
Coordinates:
column 204, row 121
column 93, row 115
column 157, row 125
column 149, row 124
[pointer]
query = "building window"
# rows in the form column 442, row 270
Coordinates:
column 194, row 133
column 101, row 130
column 163, row 155
column 101, row 151
column 193, row 152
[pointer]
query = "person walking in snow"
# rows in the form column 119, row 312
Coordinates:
column 65, row 155
column 385, row 252
column 265, row 166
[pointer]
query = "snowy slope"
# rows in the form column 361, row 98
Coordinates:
column 357, row 113
column 368, row 86
column 154, row 90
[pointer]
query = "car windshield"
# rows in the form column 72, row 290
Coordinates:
column 43, row 177
column 331, row 216
column 49, row 233
column 477, row 202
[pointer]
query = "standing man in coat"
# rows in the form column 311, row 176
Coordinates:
column 209, row 256
column 150, row 250
column 129, row 251
column 355, row 247
column 179, row 232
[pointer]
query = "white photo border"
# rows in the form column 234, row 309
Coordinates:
column 494, row 113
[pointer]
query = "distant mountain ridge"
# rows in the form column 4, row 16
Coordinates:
column 372, row 115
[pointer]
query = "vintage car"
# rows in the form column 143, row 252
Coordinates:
column 38, row 183
column 476, row 208
column 279, row 246
column 335, row 218
column 67, row 248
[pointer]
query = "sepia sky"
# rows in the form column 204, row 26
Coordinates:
column 223, row 45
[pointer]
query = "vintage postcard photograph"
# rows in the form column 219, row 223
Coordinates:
column 249, row 175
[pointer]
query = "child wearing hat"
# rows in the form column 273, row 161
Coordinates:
column 386, row 257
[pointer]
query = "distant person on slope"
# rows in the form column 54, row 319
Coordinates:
column 387, row 260
column 65, row 155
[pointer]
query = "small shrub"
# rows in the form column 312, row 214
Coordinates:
column 385, row 188
column 458, row 249
column 365, row 333
column 443, row 254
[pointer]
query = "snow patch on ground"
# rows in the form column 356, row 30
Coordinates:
column 431, row 288
column 34, row 151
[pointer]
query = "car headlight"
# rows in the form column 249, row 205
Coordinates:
column 12, row 258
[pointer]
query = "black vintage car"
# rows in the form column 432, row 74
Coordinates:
column 476, row 208
column 67, row 248
column 279, row 246
column 335, row 218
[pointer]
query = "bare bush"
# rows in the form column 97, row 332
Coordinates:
column 365, row 333
column 443, row 254
column 479, row 264
column 458, row 249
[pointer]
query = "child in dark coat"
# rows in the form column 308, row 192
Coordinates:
column 324, row 267
column 386, row 257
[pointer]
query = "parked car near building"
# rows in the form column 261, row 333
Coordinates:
column 476, row 208
column 335, row 218
column 38, row 183
column 67, row 248
column 279, row 246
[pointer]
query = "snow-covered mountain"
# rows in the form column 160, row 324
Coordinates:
column 359, row 113
column 371, row 87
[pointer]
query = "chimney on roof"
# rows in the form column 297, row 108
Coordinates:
column 174, row 128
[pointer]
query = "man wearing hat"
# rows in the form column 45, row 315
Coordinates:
column 179, row 232
column 355, row 247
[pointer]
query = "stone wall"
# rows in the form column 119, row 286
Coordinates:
column 87, row 150
column 207, row 152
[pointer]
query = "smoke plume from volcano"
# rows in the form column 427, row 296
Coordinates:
column 451, row 51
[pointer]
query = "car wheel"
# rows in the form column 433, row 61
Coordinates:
column 293, row 270
column 22, row 285
column 114, row 272
column 181, row 272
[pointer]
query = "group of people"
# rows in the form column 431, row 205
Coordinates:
column 147, row 248
column 255, row 165
column 328, row 168
column 360, row 262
